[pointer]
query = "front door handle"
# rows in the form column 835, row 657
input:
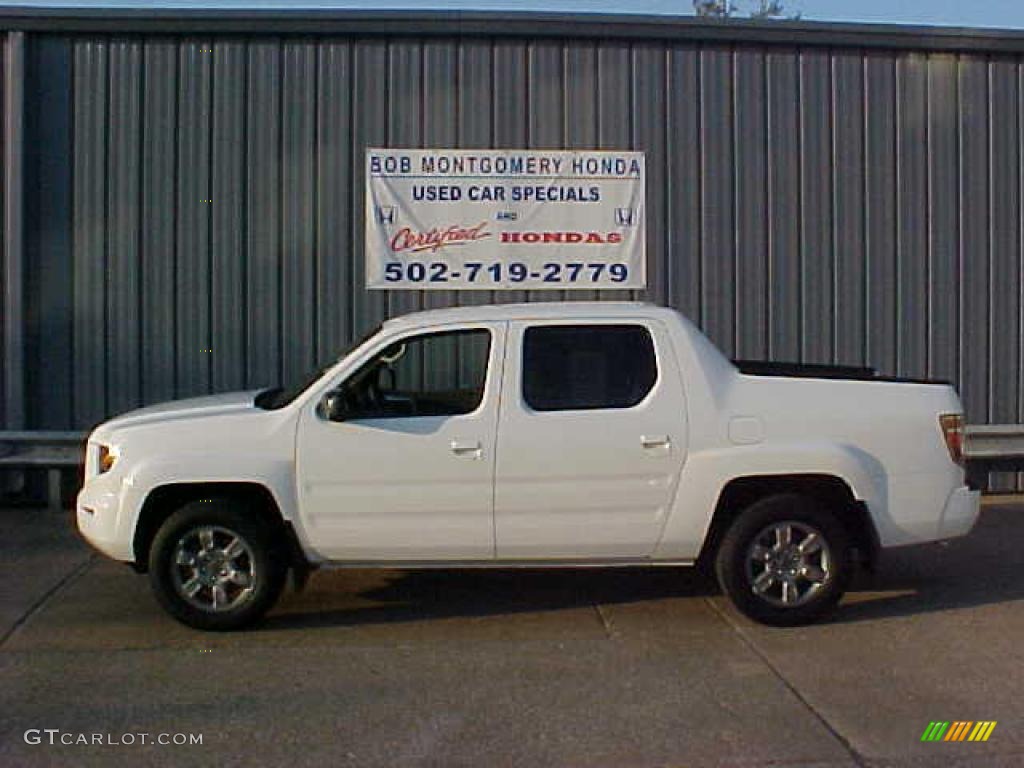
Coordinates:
column 471, row 448
column 655, row 441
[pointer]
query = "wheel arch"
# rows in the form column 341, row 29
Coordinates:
column 161, row 502
column 830, row 490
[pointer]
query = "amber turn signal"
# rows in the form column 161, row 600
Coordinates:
column 107, row 459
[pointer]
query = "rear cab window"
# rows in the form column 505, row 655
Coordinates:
column 587, row 366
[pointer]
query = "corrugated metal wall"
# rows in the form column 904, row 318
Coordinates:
column 12, row 275
column 822, row 205
column 4, row 256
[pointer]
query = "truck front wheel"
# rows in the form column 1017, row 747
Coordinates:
column 213, row 565
column 785, row 560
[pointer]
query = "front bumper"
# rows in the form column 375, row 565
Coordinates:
column 100, row 521
column 960, row 513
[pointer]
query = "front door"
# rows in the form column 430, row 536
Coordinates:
column 591, row 440
column 406, row 470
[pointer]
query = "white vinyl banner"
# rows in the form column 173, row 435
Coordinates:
column 445, row 219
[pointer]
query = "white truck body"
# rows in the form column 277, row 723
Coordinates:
column 506, row 484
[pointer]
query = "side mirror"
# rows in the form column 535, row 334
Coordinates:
column 334, row 406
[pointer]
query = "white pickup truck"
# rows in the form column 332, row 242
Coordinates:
column 539, row 435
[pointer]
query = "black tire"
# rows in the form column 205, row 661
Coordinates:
column 246, row 585
column 784, row 586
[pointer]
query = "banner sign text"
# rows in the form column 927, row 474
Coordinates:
column 447, row 219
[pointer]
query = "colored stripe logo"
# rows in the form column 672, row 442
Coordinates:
column 959, row 730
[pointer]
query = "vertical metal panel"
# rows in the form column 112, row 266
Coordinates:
column 263, row 230
column 649, row 127
column 228, row 216
column 943, row 221
column 123, row 224
column 751, row 181
column 682, row 215
column 881, row 174
column 194, row 201
column 974, row 236
column 817, row 254
column 1019, row 479
column 784, row 206
column 1005, row 242
column 848, row 179
column 718, row 267
column 11, row 292
column 90, row 232
column 912, row 141
column 7, row 318
column 298, row 234
column 158, row 227
column 48, row 299
column 335, row 217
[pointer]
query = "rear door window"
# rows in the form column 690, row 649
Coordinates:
column 587, row 367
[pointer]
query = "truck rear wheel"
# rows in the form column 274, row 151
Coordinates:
column 785, row 560
column 214, row 566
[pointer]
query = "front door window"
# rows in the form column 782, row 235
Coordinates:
column 437, row 374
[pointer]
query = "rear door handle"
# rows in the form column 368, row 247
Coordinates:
column 471, row 448
column 655, row 441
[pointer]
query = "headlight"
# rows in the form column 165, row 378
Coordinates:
column 107, row 458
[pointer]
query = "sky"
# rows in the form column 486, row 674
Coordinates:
column 957, row 13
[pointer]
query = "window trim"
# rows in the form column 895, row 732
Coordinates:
column 588, row 323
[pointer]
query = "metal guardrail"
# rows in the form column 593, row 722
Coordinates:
column 995, row 442
column 987, row 448
column 992, row 448
column 56, row 452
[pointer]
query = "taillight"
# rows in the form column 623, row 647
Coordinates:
column 953, row 431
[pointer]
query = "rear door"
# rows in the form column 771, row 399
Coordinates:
column 591, row 439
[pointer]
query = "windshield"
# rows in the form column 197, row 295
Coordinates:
column 280, row 396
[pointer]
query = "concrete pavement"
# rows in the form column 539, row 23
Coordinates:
column 510, row 668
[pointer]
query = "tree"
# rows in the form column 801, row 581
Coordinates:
column 725, row 9
column 715, row 9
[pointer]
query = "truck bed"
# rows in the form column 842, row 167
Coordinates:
column 818, row 371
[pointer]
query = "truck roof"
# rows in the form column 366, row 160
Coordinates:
column 537, row 311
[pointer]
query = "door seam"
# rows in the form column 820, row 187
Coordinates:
column 497, row 435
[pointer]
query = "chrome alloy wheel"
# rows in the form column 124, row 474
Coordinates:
column 213, row 568
column 787, row 563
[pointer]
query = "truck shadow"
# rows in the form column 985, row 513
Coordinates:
column 339, row 598
column 983, row 568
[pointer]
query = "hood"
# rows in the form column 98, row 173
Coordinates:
column 194, row 407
